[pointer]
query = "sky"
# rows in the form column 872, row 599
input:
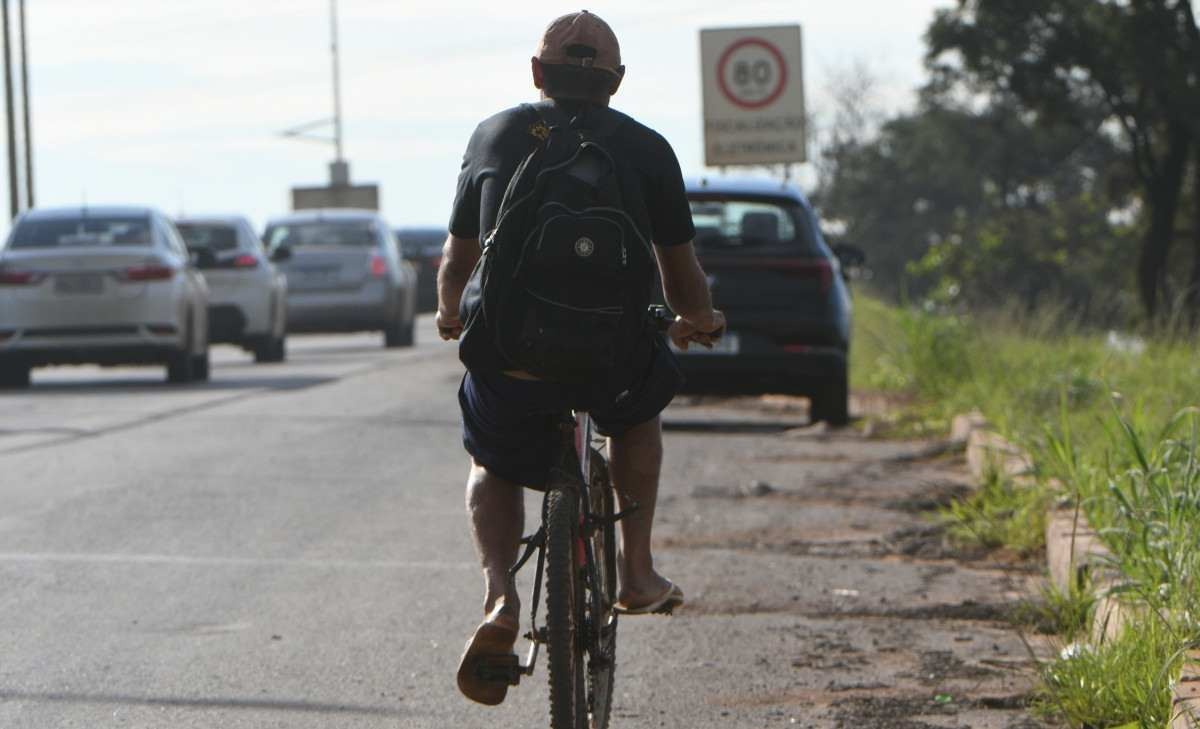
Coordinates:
column 180, row 104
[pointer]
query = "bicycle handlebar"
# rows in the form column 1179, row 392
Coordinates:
column 662, row 319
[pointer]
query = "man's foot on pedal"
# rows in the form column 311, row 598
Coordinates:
column 494, row 638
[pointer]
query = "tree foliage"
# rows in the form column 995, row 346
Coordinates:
column 1088, row 64
column 984, row 206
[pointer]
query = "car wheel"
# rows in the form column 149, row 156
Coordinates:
column 270, row 349
column 15, row 376
column 200, row 367
column 399, row 334
column 181, row 364
column 830, row 400
column 180, row 367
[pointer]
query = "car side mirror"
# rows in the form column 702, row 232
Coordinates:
column 281, row 254
column 850, row 256
column 203, row 258
column 406, row 252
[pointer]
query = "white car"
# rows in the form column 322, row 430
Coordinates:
column 105, row 285
column 247, row 294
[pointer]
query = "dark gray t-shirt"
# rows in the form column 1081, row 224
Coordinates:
column 651, row 184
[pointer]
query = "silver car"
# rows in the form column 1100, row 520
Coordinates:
column 106, row 285
column 344, row 274
column 247, row 294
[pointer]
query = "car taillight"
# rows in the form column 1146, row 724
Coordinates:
column 148, row 272
column 378, row 266
column 245, row 261
column 12, row 277
column 818, row 269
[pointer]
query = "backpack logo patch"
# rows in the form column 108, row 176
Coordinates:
column 585, row 247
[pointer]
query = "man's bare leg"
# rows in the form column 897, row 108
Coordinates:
column 497, row 511
column 635, row 460
column 496, row 508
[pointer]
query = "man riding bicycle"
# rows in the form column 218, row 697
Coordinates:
column 508, row 412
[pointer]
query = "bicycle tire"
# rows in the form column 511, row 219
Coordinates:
column 602, row 594
column 564, row 612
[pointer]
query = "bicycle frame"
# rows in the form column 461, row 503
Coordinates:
column 584, row 431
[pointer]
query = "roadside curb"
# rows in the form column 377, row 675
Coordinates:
column 1185, row 698
column 1074, row 553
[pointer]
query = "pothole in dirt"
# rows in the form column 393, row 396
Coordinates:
column 906, row 712
column 889, row 713
column 935, row 495
column 937, row 666
column 966, row 610
column 831, row 654
column 924, row 541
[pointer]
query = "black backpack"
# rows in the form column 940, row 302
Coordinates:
column 563, row 285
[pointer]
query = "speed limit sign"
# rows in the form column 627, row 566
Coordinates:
column 753, row 96
column 752, row 73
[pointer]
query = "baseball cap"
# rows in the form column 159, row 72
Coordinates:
column 581, row 39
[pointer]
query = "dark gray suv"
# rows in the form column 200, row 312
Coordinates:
column 782, row 290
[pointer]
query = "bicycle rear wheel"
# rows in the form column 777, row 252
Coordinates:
column 565, row 611
column 602, row 594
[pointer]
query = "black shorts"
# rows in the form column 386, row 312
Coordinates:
column 510, row 425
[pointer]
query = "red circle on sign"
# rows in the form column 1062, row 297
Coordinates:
column 769, row 48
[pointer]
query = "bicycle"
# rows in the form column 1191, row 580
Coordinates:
column 577, row 552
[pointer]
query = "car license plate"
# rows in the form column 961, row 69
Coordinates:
column 322, row 275
column 726, row 345
column 79, row 283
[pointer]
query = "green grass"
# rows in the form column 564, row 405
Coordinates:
column 1111, row 429
column 1122, row 682
column 1000, row 514
column 1067, row 615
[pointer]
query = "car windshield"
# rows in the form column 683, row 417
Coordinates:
column 750, row 226
column 425, row 242
column 349, row 233
column 82, row 232
column 212, row 236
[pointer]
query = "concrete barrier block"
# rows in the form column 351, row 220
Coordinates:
column 1186, row 695
column 963, row 425
column 1072, row 547
column 1111, row 614
column 987, row 450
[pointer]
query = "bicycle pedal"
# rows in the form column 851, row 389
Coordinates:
column 499, row 669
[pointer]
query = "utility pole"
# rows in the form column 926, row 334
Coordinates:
column 14, row 194
column 25, row 102
column 339, row 171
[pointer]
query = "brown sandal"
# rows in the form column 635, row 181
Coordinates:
column 671, row 598
column 494, row 638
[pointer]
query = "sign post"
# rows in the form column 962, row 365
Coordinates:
column 753, row 96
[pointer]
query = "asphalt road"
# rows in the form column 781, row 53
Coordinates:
column 286, row 547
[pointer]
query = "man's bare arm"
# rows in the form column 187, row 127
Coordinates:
column 459, row 256
column 686, row 290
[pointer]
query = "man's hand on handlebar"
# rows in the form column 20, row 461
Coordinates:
column 449, row 327
column 705, row 333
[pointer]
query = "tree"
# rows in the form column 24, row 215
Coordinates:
column 1093, row 64
column 983, row 206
